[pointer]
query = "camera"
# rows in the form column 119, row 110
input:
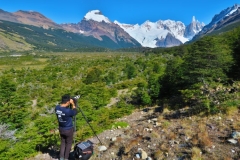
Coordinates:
column 75, row 99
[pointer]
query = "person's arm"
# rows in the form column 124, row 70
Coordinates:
column 72, row 104
column 73, row 107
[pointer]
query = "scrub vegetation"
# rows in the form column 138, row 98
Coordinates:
column 202, row 76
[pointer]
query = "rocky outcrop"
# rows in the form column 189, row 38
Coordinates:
column 193, row 28
column 168, row 41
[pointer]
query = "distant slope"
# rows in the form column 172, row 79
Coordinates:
column 102, row 35
column 20, row 37
column 12, row 41
column 226, row 20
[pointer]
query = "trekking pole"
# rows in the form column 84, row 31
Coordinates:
column 75, row 101
column 89, row 124
column 75, row 129
column 75, row 98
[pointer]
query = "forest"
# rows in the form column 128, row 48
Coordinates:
column 203, row 76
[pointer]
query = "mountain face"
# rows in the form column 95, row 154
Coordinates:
column 168, row 41
column 225, row 18
column 35, row 19
column 7, row 16
column 94, row 24
column 30, row 18
column 193, row 28
column 97, row 25
column 21, row 37
column 163, row 33
column 167, row 33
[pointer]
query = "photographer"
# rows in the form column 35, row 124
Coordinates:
column 65, row 112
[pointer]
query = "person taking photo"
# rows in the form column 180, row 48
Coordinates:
column 65, row 115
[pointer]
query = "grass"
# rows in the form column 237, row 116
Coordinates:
column 120, row 124
column 21, row 62
column 13, row 41
column 196, row 153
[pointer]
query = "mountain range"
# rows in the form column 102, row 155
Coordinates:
column 227, row 17
column 97, row 30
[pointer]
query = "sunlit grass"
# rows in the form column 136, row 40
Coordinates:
column 40, row 60
column 17, row 63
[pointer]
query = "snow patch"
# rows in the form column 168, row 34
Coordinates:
column 96, row 15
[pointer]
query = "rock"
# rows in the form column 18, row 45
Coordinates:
column 154, row 119
column 146, row 129
column 102, row 148
column 183, row 145
column 138, row 156
column 114, row 139
column 143, row 154
column 232, row 141
column 211, row 126
column 186, row 138
column 236, row 135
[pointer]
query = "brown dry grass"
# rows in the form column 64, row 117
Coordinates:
column 132, row 143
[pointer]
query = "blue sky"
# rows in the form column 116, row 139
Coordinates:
column 124, row 11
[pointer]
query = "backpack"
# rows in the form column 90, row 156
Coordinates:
column 83, row 150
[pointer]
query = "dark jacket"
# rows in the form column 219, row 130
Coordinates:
column 64, row 116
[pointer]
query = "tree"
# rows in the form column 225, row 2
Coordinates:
column 154, row 86
column 7, row 90
column 234, row 42
column 93, row 75
column 130, row 70
column 209, row 59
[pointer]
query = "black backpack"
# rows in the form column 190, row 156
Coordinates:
column 83, row 150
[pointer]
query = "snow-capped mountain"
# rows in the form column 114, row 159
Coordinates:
column 226, row 17
column 96, row 15
column 224, row 14
column 95, row 24
column 193, row 28
column 163, row 33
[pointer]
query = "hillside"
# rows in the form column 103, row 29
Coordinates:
column 20, row 37
column 13, row 41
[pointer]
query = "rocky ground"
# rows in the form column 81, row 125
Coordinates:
column 156, row 134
